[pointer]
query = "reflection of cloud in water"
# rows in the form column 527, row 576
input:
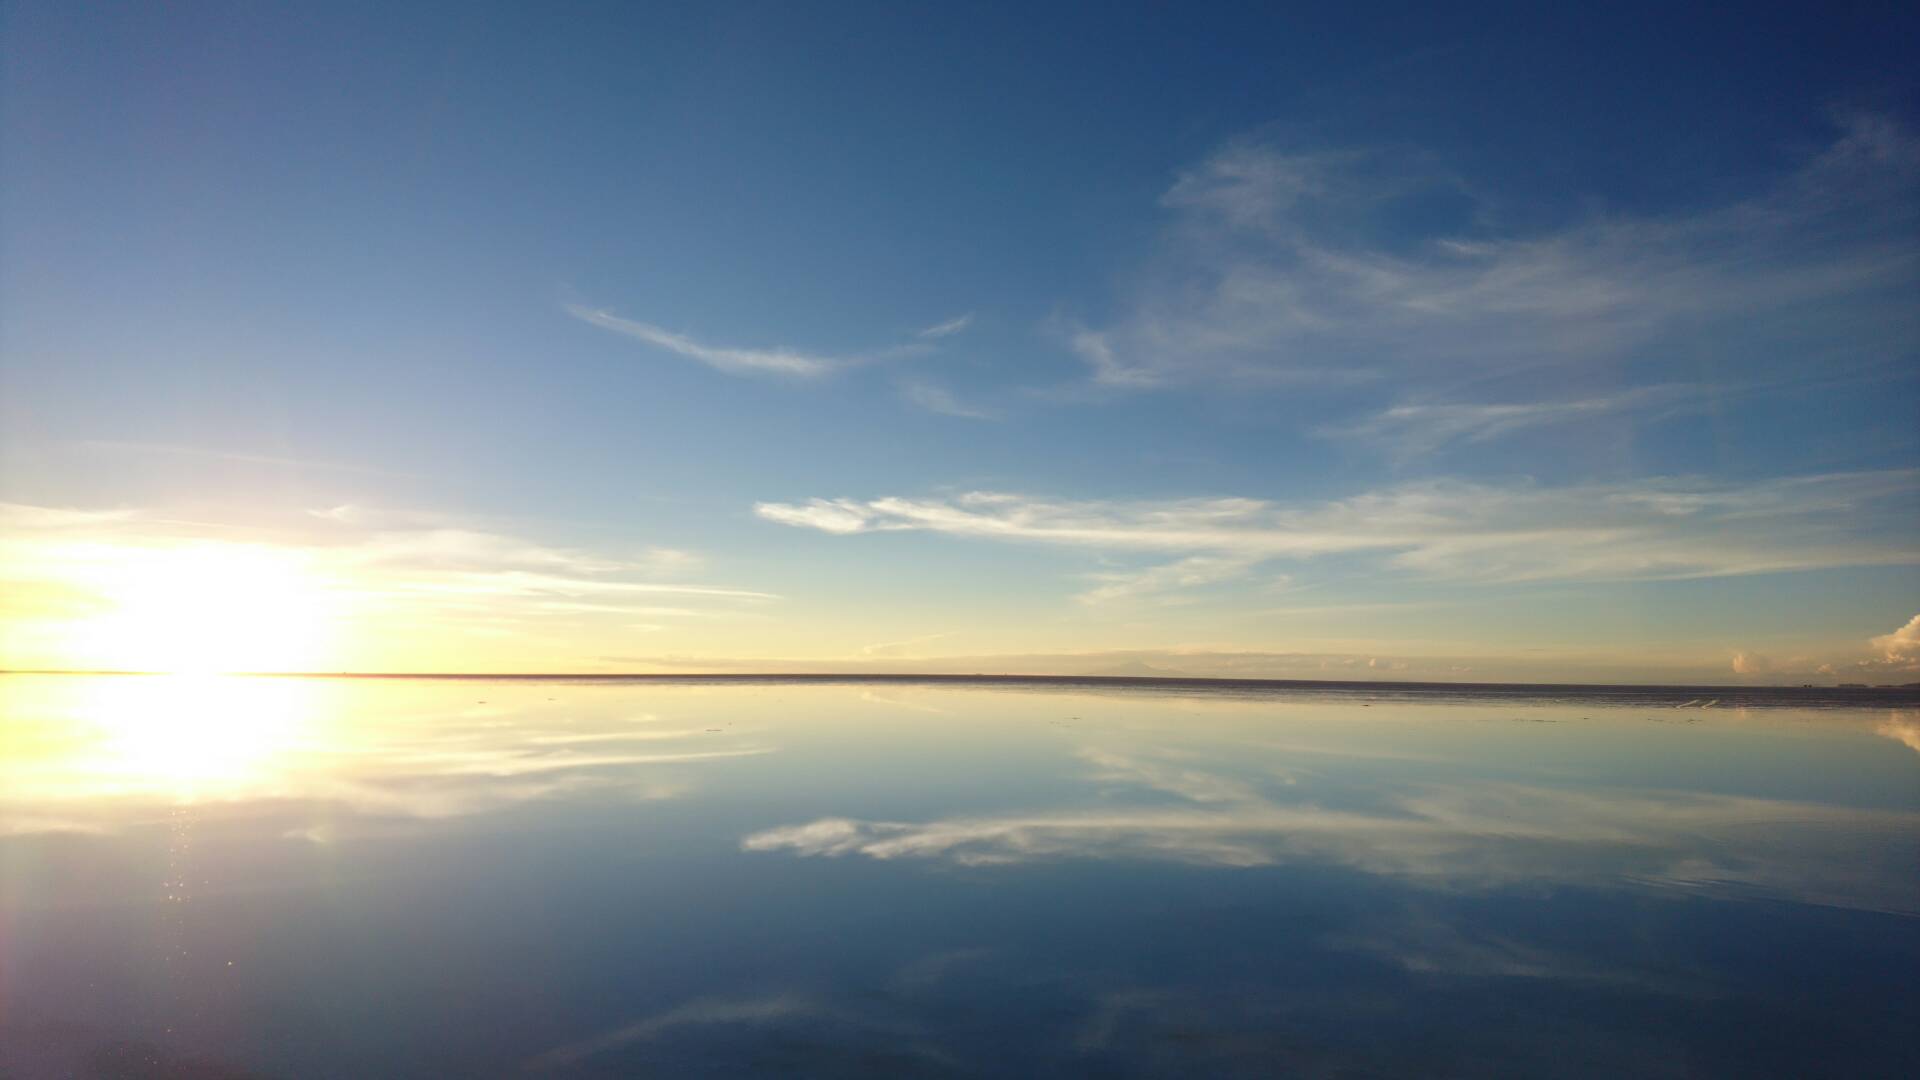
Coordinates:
column 1453, row 836
column 1905, row 731
column 521, row 761
column 1076, row 1021
column 1422, row 943
column 899, row 703
column 705, row 1011
column 834, row 1034
column 1439, row 986
column 1194, row 785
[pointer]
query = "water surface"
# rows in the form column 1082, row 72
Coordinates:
column 322, row 878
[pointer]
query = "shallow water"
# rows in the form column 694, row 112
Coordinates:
column 307, row 877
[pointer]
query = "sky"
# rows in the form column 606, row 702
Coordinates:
column 1477, row 343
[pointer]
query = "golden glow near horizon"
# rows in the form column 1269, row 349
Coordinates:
column 206, row 609
column 113, row 591
column 357, row 591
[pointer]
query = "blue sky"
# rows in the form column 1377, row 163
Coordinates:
column 1502, row 342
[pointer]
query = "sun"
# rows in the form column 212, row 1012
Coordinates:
column 179, row 737
column 208, row 609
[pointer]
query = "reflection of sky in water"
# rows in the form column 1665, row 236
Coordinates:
column 324, row 878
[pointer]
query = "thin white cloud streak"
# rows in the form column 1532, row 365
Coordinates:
column 864, row 1025
column 1273, row 271
column 21, row 518
column 948, row 328
column 935, row 398
column 508, row 582
column 1369, row 607
column 446, row 559
column 1446, row 530
column 733, row 361
column 779, row 361
column 1413, row 430
column 901, row 648
column 669, row 562
column 1192, row 572
column 700, row 1012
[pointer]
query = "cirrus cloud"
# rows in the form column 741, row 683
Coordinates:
column 1330, row 272
column 1658, row 529
column 736, row 360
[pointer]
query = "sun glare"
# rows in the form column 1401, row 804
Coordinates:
column 183, row 737
column 207, row 610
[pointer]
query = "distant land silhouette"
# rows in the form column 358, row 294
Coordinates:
column 1677, row 695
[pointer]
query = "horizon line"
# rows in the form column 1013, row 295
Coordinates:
column 978, row 676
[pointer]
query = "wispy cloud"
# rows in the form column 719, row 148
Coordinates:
column 901, row 648
column 948, row 328
column 734, row 361
column 780, row 360
column 1284, row 265
column 828, row 515
column 704, row 1011
column 1445, row 530
column 669, row 562
column 1191, row 572
column 1414, row 430
column 869, row 1031
column 22, row 518
column 934, row 397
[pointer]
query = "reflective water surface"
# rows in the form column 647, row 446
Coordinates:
column 307, row 877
